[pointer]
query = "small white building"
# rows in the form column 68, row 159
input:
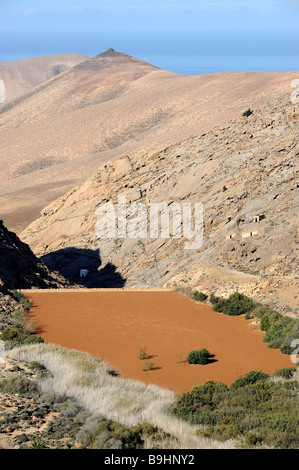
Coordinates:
column 258, row 218
column 83, row 272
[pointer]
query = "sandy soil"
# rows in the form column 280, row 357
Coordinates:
column 114, row 325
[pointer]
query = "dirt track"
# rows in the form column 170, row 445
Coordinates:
column 113, row 325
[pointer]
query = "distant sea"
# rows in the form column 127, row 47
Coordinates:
column 201, row 64
column 198, row 64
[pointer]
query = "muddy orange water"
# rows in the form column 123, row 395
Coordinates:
column 113, row 325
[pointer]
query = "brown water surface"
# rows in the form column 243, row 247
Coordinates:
column 113, row 325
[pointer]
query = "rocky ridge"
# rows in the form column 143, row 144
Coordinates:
column 21, row 269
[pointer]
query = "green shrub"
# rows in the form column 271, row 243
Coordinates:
column 198, row 406
column 248, row 316
column 260, row 410
column 280, row 330
column 220, row 432
column 38, row 443
column 147, row 430
column 98, row 433
column 36, row 365
column 200, row 356
column 17, row 336
column 252, row 439
column 16, row 384
column 10, row 334
column 22, row 299
column 236, row 304
column 200, row 296
column 250, row 378
column 286, row 373
column 148, row 365
column 213, row 299
column 142, row 354
column 286, row 349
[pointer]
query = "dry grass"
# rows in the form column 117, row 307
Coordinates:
column 90, row 382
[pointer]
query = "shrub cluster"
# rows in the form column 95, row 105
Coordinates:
column 213, row 299
column 17, row 335
column 142, row 354
column 199, row 296
column 280, row 330
column 17, row 384
column 200, row 356
column 23, row 329
column 148, row 365
column 256, row 408
column 235, row 304
column 98, row 433
column 22, row 300
column 286, row 373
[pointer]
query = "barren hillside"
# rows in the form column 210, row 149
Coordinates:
column 244, row 173
column 20, row 76
column 111, row 105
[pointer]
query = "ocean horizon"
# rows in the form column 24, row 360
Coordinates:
column 204, row 64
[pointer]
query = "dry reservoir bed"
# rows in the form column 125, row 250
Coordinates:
column 113, row 325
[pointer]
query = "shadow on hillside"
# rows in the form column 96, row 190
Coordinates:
column 70, row 261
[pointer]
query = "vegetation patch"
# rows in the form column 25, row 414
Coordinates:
column 18, row 335
column 21, row 329
column 148, row 365
column 22, row 299
column 99, row 433
column 235, row 304
column 142, row 354
column 280, row 330
column 200, row 356
column 256, row 409
column 200, row 296
column 17, row 384
column 36, row 365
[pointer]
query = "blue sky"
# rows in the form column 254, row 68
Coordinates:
column 232, row 34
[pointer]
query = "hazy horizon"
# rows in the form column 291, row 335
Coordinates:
column 197, row 65
column 189, row 38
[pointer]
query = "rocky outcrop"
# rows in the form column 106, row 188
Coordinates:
column 244, row 173
column 21, row 269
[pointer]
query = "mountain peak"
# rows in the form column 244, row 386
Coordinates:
column 111, row 53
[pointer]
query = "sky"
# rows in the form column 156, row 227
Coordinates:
column 190, row 36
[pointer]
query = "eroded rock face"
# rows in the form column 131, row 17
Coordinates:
column 20, row 268
column 250, row 233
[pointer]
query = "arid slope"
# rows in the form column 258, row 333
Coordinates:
column 20, row 76
column 247, row 167
column 110, row 105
